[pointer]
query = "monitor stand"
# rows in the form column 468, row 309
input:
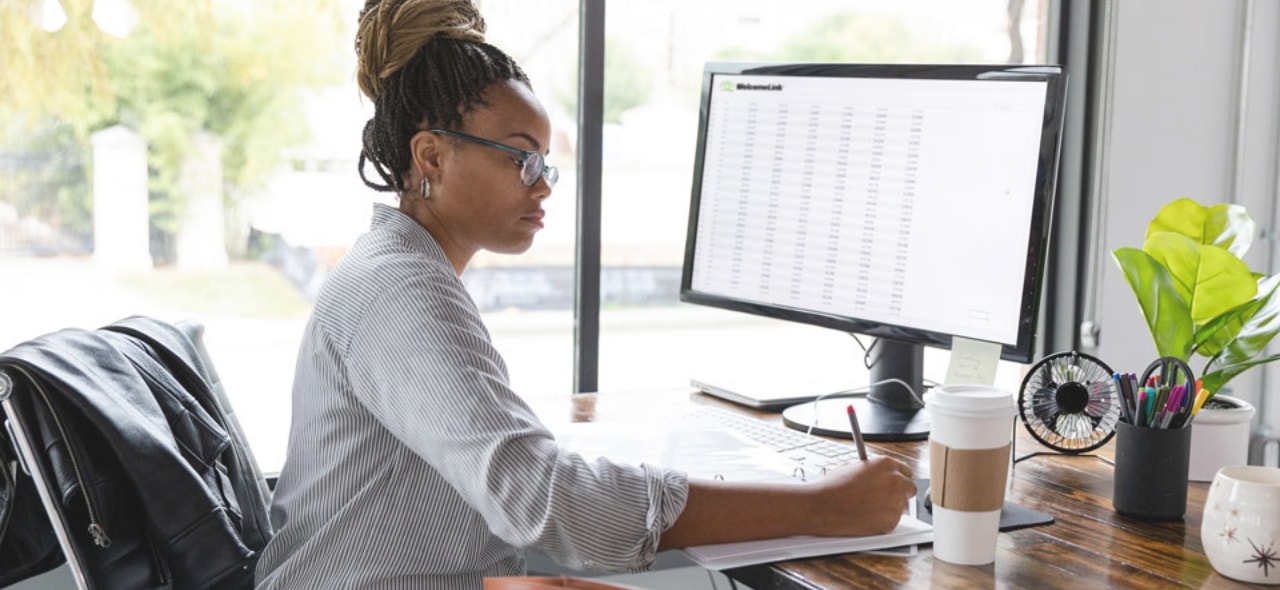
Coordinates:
column 888, row 413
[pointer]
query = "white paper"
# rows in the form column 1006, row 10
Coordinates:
column 698, row 447
column 704, row 448
column 910, row 531
column 973, row 362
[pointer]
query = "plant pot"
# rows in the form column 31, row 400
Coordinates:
column 1220, row 437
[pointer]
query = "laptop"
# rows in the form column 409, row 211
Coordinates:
column 763, row 395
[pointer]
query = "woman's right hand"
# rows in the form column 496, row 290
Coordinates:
column 866, row 498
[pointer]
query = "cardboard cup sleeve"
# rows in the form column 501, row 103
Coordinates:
column 968, row 480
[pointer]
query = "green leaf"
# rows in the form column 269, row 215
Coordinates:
column 1224, row 225
column 1220, row 375
column 1258, row 331
column 1210, row 279
column 1167, row 313
column 1211, row 338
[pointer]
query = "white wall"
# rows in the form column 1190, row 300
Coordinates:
column 1174, row 119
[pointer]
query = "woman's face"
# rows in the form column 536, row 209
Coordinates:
column 477, row 196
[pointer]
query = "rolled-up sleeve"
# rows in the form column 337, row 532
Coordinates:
column 606, row 516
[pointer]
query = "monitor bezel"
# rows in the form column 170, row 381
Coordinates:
column 1042, row 208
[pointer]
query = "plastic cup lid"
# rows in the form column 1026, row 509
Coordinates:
column 971, row 400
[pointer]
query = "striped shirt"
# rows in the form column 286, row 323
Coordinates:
column 411, row 462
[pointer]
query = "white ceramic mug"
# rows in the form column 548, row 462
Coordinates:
column 1241, row 526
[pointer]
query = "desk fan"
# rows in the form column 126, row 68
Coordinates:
column 1070, row 403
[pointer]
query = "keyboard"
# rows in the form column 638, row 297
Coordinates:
column 807, row 451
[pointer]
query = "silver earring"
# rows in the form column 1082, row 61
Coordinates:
column 425, row 189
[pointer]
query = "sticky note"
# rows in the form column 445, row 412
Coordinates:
column 973, row 362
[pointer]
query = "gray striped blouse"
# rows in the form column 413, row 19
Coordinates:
column 411, row 462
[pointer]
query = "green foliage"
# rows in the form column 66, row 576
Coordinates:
column 854, row 37
column 859, row 37
column 1198, row 297
column 872, row 38
column 60, row 74
column 46, row 180
column 232, row 69
column 627, row 83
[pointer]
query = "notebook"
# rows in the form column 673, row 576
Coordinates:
column 909, row 532
column 704, row 445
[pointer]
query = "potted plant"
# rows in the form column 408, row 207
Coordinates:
column 1200, row 299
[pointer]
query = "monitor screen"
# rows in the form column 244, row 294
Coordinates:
column 906, row 202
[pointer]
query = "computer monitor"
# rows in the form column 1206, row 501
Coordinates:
column 910, row 203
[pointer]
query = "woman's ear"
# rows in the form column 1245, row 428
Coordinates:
column 426, row 149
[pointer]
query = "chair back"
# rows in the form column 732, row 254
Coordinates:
column 143, row 472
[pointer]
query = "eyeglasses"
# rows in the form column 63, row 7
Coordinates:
column 531, row 164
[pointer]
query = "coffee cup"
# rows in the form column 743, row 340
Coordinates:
column 969, row 450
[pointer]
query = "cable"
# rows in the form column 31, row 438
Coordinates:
column 866, row 350
column 854, row 392
column 866, row 361
column 866, row 356
column 859, row 341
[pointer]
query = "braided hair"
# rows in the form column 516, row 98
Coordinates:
column 422, row 62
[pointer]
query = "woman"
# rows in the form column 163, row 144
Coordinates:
column 411, row 462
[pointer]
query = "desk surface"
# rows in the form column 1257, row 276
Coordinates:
column 1089, row 545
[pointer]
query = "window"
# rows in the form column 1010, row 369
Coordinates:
column 208, row 172
column 654, row 60
column 198, row 165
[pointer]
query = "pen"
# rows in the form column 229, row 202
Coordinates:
column 857, row 434
column 1133, row 395
column 1123, row 391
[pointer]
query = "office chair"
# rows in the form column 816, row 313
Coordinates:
column 94, row 417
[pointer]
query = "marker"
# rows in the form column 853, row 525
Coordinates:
column 1175, row 400
column 1200, row 399
column 857, row 434
column 1162, row 397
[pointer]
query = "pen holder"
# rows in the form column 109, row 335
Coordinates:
column 1151, row 471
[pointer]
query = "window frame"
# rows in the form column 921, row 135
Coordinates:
column 1071, row 44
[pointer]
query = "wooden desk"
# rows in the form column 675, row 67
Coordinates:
column 1089, row 545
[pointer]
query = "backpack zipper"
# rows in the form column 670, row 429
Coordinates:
column 96, row 530
column 163, row 575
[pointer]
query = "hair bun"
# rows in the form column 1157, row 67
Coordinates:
column 391, row 32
